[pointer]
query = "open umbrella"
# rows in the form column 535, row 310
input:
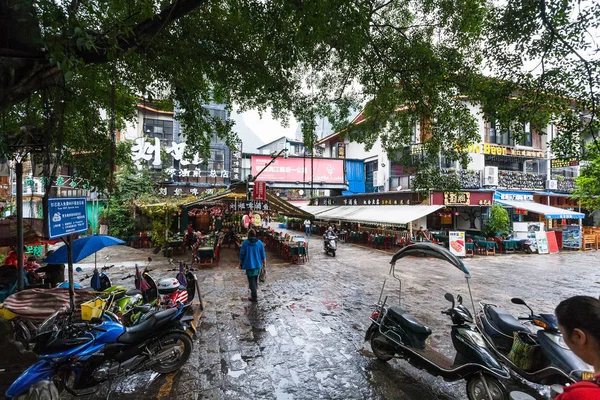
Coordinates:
column 82, row 248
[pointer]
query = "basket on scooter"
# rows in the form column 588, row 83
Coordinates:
column 525, row 351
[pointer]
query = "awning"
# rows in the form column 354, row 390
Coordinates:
column 316, row 210
column 549, row 211
column 379, row 215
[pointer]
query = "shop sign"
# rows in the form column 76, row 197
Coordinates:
column 564, row 162
column 457, row 243
column 260, row 191
column 492, row 149
column 457, row 198
column 235, row 162
column 66, row 215
column 515, row 196
column 248, row 206
column 520, row 211
column 383, row 200
column 485, row 202
column 542, row 242
column 298, row 169
column 341, row 150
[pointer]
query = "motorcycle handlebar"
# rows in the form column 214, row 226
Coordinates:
column 127, row 277
column 524, row 318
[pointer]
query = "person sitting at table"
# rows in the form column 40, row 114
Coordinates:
column 422, row 235
column 31, row 264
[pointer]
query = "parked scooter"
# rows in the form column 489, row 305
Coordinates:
column 396, row 333
column 527, row 246
column 550, row 361
column 183, row 288
column 330, row 244
column 78, row 357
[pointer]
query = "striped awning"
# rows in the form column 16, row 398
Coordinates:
column 548, row 211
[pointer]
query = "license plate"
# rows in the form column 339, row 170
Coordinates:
column 587, row 375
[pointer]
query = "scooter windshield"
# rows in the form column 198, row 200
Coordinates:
column 430, row 250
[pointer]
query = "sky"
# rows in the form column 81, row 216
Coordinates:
column 267, row 128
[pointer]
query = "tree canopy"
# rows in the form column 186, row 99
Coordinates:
column 61, row 62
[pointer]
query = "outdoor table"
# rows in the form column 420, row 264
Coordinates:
column 470, row 247
column 205, row 253
column 488, row 246
column 293, row 251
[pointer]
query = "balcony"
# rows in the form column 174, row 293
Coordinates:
column 468, row 179
column 565, row 185
column 521, row 180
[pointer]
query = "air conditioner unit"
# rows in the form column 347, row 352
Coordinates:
column 490, row 176
column 552, row 184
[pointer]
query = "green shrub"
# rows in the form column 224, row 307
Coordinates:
column 498, row 223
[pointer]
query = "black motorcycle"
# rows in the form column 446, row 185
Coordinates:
column 396, row 333
column 330, row 244
column 540, row 357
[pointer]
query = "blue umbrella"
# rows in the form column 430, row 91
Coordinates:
column 82, row 248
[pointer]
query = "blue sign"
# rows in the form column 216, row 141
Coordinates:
column 66, row 215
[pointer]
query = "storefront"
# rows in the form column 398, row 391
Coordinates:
column 462, row 210
column 523, row 208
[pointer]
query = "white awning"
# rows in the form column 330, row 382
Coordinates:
column 549, row 211
column 382, row 215
column 316, row 210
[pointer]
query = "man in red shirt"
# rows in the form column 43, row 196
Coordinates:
column 579, row 322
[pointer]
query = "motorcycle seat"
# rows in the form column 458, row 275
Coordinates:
column 505, row 322
column 139, row 332
column 407, row 321
column 132, row 292
column 143, row 308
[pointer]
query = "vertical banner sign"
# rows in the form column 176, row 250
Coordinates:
column 457, row 243
column 552, row 242
column 542, row 242
column 341, row 150
column 235, row 164
column 66, row 215
column 260, row 190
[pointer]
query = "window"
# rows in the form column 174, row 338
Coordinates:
column 505, row 136
column 370, row 171
column 158, row 128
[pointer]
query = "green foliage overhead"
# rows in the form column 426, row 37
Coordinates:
column 62, row 63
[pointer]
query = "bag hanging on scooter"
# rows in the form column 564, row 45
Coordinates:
column 523, row 351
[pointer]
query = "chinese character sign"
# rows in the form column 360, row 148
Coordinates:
column 235, row 172
column 260, row 190
column 66, row 215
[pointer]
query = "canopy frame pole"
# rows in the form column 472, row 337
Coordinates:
column 69, row 244
column 20, row 244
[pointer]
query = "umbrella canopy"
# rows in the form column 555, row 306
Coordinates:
column 82, row 248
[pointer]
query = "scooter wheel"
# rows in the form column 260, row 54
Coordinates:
column 382, row 347
column 180, row 346
column 476, row 388
column 333, row 253
column 43, row 390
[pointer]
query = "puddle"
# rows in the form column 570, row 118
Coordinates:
column 271, row 329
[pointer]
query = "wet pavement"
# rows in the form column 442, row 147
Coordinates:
column 304, row 338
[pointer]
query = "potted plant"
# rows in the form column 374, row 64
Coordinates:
column 498, row 223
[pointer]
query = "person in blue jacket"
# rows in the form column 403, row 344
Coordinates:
column 252, row 259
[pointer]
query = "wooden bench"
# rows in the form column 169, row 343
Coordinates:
column 590, row 240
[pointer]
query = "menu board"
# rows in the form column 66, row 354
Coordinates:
column 572, row 237
column 457, row 243
column 542, row 242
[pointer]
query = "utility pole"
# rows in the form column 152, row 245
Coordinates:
column 253, row 178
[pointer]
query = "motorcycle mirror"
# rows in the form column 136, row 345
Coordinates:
column 459, row 299
column 149, row 259
column 78, row 269
column 516, row 300
column 450, row 298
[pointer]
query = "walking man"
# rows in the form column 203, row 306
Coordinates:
column 307, row 226
column 252, row 259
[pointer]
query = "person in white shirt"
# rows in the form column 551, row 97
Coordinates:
column 307, row 226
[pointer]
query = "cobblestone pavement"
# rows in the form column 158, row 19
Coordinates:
column 304, row 338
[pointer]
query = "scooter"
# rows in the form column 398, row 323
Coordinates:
column 77, row 357
column 549, row 359
column 396, row 333
column 330, row 244
column 183, row 288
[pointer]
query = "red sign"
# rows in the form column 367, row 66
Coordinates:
column 299, row 169
column 260, row 190
column 520, row 211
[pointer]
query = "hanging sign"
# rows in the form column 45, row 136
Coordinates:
column 66, row 215
column 260, row 190
column 236, row 162
column 564, row 162
column 457, row 243
column 341, row 150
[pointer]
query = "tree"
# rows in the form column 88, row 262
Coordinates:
column 498, row 222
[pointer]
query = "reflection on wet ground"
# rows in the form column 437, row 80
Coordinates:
column 304, row 338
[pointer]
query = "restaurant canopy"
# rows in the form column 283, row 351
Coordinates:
column 33, row 231
column 316, row 210
column 548, row 211
column 398, row 215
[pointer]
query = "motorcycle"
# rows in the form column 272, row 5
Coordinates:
column 550, row 361
column 330, row 244
column 77, row 357
column 183, row 288
column 396, row 333
column 527, row 246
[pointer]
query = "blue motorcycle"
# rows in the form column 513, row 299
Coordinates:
column 78, row 357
